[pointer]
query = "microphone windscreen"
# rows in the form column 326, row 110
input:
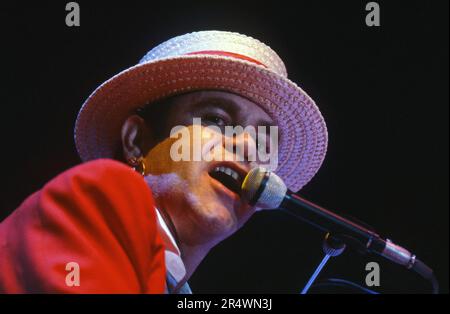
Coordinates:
column 263, row 188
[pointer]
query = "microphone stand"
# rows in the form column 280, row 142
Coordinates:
column 331, row 247
column 417, row 266
column 267, row 190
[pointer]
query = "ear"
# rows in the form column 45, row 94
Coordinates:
column 136, row 137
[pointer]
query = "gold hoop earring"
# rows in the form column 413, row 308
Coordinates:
column 138, row 164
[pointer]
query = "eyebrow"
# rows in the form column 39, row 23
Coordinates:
column 225, row 104
column 228, row 105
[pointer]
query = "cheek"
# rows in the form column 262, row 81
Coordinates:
column 165, row 185
column 244, row 214
column 159, row 160
column 187, row 153
column 158, row 157
column 177, row 181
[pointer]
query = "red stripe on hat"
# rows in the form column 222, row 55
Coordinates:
column 227, row 54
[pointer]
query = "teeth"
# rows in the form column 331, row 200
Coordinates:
column 228, row 171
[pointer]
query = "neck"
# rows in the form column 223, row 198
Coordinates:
column 192, row 255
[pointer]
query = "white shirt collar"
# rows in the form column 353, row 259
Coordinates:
column 174, row 263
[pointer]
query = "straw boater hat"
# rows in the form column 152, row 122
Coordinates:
column 209, row 60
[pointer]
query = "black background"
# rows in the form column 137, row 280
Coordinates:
column 383, row 92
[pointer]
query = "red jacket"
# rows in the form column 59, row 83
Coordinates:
column 99, row 215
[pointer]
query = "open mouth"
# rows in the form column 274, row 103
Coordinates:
column 229, row 177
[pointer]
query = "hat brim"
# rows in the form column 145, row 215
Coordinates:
column 303, row 134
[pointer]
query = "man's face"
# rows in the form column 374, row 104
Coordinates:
column 201, row 200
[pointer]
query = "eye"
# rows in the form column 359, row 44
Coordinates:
column 214, row 119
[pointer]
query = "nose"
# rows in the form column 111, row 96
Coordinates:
column 243, row 146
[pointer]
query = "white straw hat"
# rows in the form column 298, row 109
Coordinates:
column 209, row 60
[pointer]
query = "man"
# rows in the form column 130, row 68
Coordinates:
column 101, row 227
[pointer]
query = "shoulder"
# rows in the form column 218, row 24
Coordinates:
column 99, row 214
column 101, row 175
column 102, row 169
column 102, row 187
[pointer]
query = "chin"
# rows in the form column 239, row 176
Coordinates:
column 214, row 226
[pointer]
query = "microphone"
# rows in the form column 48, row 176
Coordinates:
column 265, row 190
